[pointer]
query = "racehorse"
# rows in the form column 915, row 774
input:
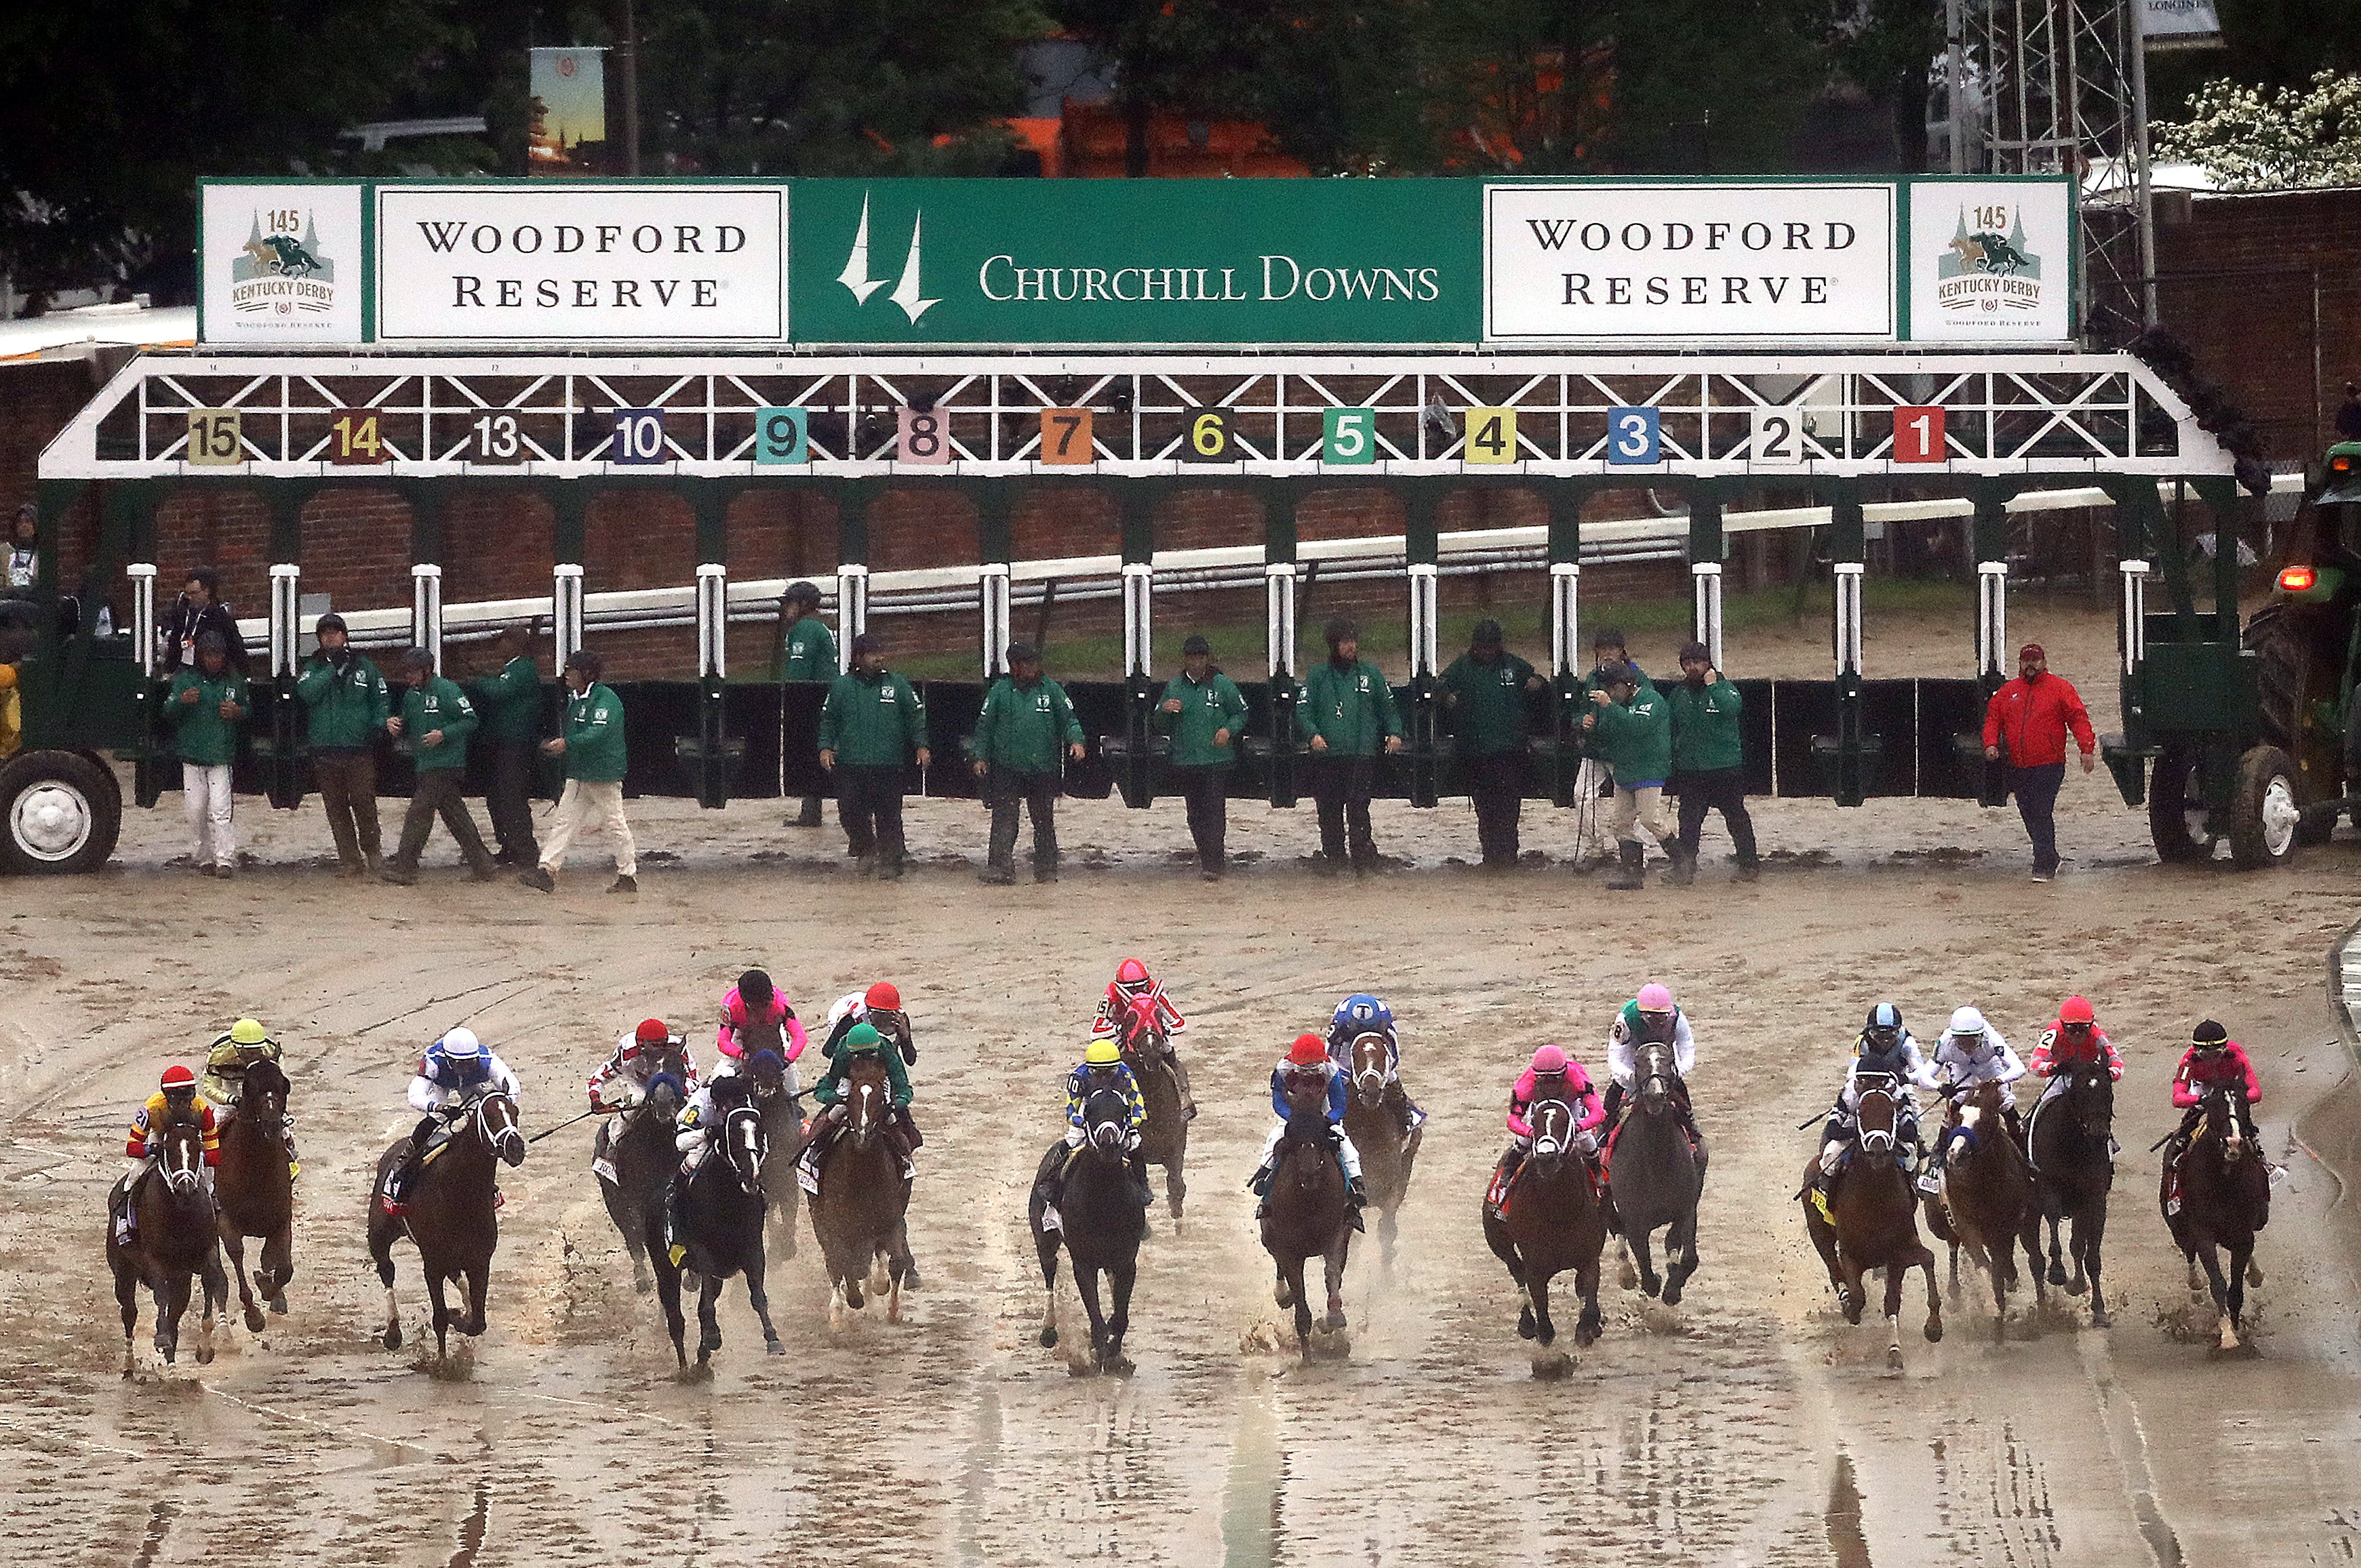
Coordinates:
column 1099, row 1225
column 1655, row 1176
column 1873, row 1221
column 718, row 1217
column 173, row 1239
column 783, row 1136
column 2224, row 1198
column 638, row 1162
column 1387, row 1155
column 1307, row 1214
column 453, row 1215
column 1550, row 1219
column 860, row 1201
column 2067, row 1140
column 1164, row 1138
column 1988, row 1207
column 254, row 1191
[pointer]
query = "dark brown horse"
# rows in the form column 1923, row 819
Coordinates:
column 1872, row 1219
column 1989, row 1208
column 1307, row 1215
column 717, row 1218
column 173, row 1240
column 782, row 1138
column 1387, row 1155
column 254, row 1191
column 1164, row 1139
column 2224, row 1198
column 858, row 1214
column 452, row 1214
column 2071, row 1148
column 634, row 1163
column 1551, row 1221
column 1657, row 1176
column 1099, row 1225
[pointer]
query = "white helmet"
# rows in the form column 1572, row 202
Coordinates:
column 1967, row 1024
column 461, row 1043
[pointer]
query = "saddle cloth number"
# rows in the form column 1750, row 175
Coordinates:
column 604, row 1168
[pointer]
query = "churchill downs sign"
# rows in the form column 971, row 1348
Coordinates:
column 782, row 265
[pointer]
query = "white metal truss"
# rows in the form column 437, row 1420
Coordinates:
column 2003, row 414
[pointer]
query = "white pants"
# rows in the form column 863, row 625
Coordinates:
column 1587, row 778
column 1351, row 1155
column 581, row 806
column 1641, row 808
column 205, row 799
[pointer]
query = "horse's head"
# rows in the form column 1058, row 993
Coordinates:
column 2091, row 1099
column 493, row 1117
column 2225, row 1111
column 758, row 1035
column 766, row 1076
column 1655, row 1075
column 1876, row 1103
column 666, row 1095
column 1371, row 1056
column 868, row 1099
column 263, row 1096
column 745, row 1147
column 1136, row 1026
column 1553, row 1125
column 1106, row 1122
column 180, row 1154
column 1305, row 1090
column 1307, row 1125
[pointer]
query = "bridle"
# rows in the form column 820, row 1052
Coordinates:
column 1553, row 1125
column 177, row 1157
column 745, row 1146
column 1655, row 1077
column 497, row 1136
column 1370, row 1052
column 1876, row 1142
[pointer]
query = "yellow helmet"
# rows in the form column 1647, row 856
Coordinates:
column 248, row 1032
column 1103, row 1053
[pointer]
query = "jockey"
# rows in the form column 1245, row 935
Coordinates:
column 1650, row 1018
column 1885, row 1049
column 1134, row 986
column 1971, row 1052
column 226, row 1060
column 709, row 1108
column 176, row 1099
column 754, row 1000
column 901, row 1132
column 2074, row 1037
column 1552, row 1074
column 1362, row 1013
column 647, row 1053
column 880, row 1006
column 453, row 1071
column 1307, row 1063
column 1101, row 1068
column 2213, row 1059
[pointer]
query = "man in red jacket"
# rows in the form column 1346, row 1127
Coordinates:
column 2026, row 724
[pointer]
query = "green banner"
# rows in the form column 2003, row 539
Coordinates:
column 1109, row 261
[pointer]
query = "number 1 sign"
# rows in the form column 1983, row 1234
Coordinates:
column 1919, row 435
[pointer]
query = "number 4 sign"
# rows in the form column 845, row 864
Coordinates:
column 1919, row 435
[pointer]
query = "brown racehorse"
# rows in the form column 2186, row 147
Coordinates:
column 1657, row 1175
column 858, row 1215
column 1099, row 1224
column 1387, row 1155
column 254, row 1191
column 1164, row 1139
column 1989, row 1206
column 1307, row 1214
column 2072, row 1153
column 452, row 1214
column 1553, row 1222
column 1873, row 1218
column 2225, row 1197
column 175, row 1240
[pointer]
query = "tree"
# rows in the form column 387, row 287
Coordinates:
column 2270, row 138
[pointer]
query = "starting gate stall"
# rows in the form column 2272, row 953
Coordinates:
column 1561, row 421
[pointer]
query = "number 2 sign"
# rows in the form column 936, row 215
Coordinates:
column 1919, row 435
column 1775, row 438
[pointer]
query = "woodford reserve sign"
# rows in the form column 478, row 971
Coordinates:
column 781, row 266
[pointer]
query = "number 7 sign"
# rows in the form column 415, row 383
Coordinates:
column 1919, row 435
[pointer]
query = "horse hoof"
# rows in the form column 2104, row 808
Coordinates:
column 854, row 1298
column 1650, row 1285
column 1630, row 1278
column 910, row 1280
column 278, row 1303
column 1671, row 1294
column 1525, row 1329
column 169, row 1356
column 392, row 1338
column 1894, row 1358
column 2074, row 1286
column 1333, row 1321
column 1934, row 1333
column 1283, row 1295
column 643, row 1286
column 772, row 1347
column 1587, row 1329
column 1117, row 1365
column 2098, row 1318
column 254, row 1319
column 2056, row 1274
column 706, row 1348
column 1048, row 1339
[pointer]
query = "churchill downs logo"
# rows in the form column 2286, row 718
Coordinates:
column 1986, row 272
column 275, row 273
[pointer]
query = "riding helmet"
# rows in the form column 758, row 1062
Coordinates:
column 2209, row 1036
column 1364, row 1012
column 861, row 1037
column 248, row 1032
column 882, row 998
column 178, row 1077
column 461, row 1043
column 651, row 1032
column 1885, row 1015
column 755, row 989
column 1130, row 972
column 1309, row 1050
column 1102, row 1052
column 1654, row 998
column 2075, row 1010
column 1967, row 1024
column 1549, row 1060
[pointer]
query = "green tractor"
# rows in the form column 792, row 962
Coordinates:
column 2251, row 736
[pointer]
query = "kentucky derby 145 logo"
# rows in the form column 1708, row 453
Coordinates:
column 1984, row 270
column 281, row 269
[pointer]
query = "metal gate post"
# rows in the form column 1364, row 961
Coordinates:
column 851, row 610
column 1849, row 546
column 1279, row 594
column 1990, row 537
column 994, row 575
column 565, row 615
column 143, row 615
column 712, row 675
column 1423, row 746
column 285, row 786
column 1565, row 641
column 426, row 610
column 1705, row 551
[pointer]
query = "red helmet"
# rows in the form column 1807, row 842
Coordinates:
column 178, row 1077
column 1309, row 1050
column 651, row 1032
column 881, row 997
column 2076, row 1011
column 1130, row 972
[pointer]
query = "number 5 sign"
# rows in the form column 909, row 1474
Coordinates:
column 1919, row 435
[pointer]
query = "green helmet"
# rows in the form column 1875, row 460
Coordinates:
column 862, row 1039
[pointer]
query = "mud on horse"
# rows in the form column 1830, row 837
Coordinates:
column 1550, row 1219
column 2069, row 1141
column 173, row 1240
column 719, row 1224
column 452, row 1215
column 2223, row 1199
column 638, row 1162
column 1164, row 1140
column 1387, row 1154
column 1872, row 1219
column 1656, row 1175
column 1099, row 1224
column 254, row 1191
column 859, row 1207
column 1308, row 1214
column 1989, row 1206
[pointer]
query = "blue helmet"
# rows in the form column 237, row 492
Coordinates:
column 1363, row 1013
column 1885, row 1015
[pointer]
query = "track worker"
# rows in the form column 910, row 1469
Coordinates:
column 439, row 720
column 1026, row 721
column 1707, row 774
column 206, row 707
column 1204, row 713
column 346, row 707
column 1483, row 704
column 1636, row 735
column 2026, row 726
column 1345, row 714
column 592, row 745
column 871, row 722
column 510, row 700
column 1594, row 779
column 806, row 656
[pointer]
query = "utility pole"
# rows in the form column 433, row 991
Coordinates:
column 631, row 51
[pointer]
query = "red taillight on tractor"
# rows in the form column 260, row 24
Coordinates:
column 2297, row 579
column 2340, row 463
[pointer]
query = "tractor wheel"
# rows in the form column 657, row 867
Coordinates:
column 60, row 813
column 2282, row 670
column 2263, row 813
column 2175, row 821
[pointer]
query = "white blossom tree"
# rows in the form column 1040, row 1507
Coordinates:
column 2285, row 139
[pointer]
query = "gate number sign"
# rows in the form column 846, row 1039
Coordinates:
column 1066, row 436
column 1776, row 438
column 1919, row 435
column 639, row 436
column 1209, row 438
column 1633, row 437
column 922, row 438
column 354, row 438
column 1349, row 437
column 1491, row 435
column 215, row 440
column 782, row 436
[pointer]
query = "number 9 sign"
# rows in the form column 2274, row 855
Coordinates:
column 782, row 436
column 1633, row 438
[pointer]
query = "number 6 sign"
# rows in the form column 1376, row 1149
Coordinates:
column 1919, row 435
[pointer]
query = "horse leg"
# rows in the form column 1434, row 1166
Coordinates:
column 1895, row 1279
column 1292, row 1291
column 2220, row 1286
column 438, row 1311
column 903, row 1268
column 1590, row 1325
column 127, row 1297
column 709, row 1325
column 278, row 1269
column 1335, row 1261
column 2090, row 1235
column 1386, row 1230
column 1537, row 1292
column 1894, row 1275
column 234, row 1245
column 1046, row 1243
column 668, row 1296
column 1176, row 1191
column 214, row 1302
column 1680, row 1255
column 758, row 1295
column 2057, row 1260
column 1086, row 1282
column 1636, row 1238
column 1286, row 1291
column 172, row 1300
column 2241, row 1255
column 1120, row 1276
column 1850, row 1293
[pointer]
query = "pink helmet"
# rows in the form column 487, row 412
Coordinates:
column 1655, row 999
column 1549, row 1058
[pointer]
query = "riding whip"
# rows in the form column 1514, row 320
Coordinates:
column 599, row 1110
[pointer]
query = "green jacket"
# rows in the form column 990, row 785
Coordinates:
column 811, row 652
column 872, row 722
column 1213, row 703
column 1637, row 740
column 831, row 1087
column 201, row 734
column 1590, row 681
column 1026, row 729
column 438, row 704
column 1704, row 727
column 348, row 708
column 1487, row 712
column 511, row 701
column 1353, row 709
column 594, row 736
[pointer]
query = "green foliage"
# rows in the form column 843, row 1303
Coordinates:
column 2270, row 138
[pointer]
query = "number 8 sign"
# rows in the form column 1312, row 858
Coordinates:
column 923, row 443
column 1919, row 435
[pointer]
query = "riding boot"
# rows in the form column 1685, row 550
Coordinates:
column 1140, row 1193
column 1358, row 1197
column 1606, row 1200
column 294, row 1166
column 1630, row 877
column 1181, row 1077
column 674, row 1249
column 1260, row 1185
column 1614, row 1101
